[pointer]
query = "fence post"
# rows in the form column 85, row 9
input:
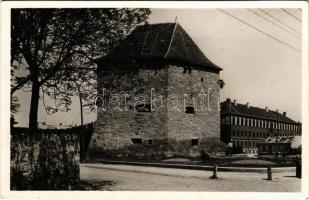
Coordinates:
column 269, row 175
column 298, row 170
column 215, row 169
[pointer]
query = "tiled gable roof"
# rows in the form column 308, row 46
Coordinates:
column 228, row 108
column 160, row 42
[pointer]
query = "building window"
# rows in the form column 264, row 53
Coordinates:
column 136, row 140
column 244, row 144
column 150, row 141
column 202, row 79
column 194, row 142
column 143, row 108
column 190, row 110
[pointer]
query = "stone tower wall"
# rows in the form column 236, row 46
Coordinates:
column 165, row 131
column 200, row 89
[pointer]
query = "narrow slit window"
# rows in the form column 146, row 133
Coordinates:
column 143, row 108
column 194, row 142
column 137, row 140
column 190, row 110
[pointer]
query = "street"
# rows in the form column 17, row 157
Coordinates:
column 140, row 178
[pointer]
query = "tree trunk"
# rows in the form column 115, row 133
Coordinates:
column 80, row 104
column 81, row 108
column 34, row 106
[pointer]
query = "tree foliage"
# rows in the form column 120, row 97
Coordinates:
column 58, row 48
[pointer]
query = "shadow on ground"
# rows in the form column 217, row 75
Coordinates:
column 291, row 176
column 95, row 184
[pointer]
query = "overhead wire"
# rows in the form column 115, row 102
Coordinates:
column 278, row 20
column 259, row 30
column 287, row 12
column 273, row 23
column 229, row 33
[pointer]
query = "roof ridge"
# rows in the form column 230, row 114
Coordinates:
column 170, row 44
column 254, row 111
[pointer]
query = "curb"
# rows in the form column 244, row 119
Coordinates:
column 201, row 167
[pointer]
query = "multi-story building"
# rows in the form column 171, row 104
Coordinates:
column 161, row 62
column 246, row 126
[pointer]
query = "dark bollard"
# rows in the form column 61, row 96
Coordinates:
column 269, row 176
column 215, row 169
column 298, row 170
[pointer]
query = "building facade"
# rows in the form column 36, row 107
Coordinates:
column 246, row 127
column 151, row 87
column 281, row 145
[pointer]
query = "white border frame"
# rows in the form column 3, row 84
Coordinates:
column 5, row 99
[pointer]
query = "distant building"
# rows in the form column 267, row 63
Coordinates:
column 280, row 144
column 246, row 126
column 163, row 59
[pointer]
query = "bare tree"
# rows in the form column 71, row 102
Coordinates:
column 58, row 47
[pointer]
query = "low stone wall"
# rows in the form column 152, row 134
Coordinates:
column 47, row 159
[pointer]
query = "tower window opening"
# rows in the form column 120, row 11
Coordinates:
column 137, row 140
column 194, row 142
column 143, row 108
column 190, row 110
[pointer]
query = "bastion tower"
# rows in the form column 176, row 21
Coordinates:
column 158, row 96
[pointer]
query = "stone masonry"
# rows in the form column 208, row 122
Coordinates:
column 158, row 96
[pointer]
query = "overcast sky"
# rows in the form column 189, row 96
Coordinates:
column 256, row 68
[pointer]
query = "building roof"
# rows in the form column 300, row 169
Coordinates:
column 231, row 108
column 160, row 42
